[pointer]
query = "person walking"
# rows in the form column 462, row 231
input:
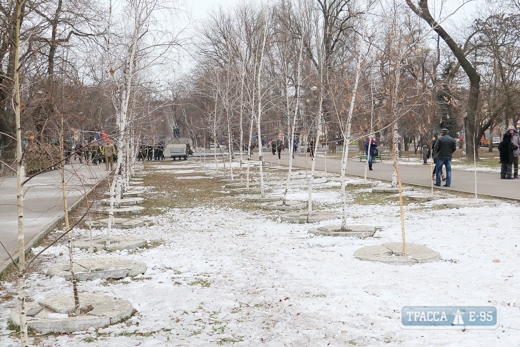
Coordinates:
column 311, row 148
column 370, row 152
column 279, row 145
column 506, row 149
column 109, row 151
column 515, row 140
column 444, row 147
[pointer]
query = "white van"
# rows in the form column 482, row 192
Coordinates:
column 176, row 149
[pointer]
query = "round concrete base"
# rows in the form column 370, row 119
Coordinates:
column 120, row 223
column 266, row 198
column 288, row 206
column 218, row 175
column 391, row 253
column 362, row 183
column 112, row 243
column 123, row 210
column 134, row 193
column 303, row 182
column 99, row 268
column 277, row 167
column 246, row 191
column 423, row 197
column 235, row 179
column 389, row 190
column 242, row 185
column 322, row 174
column 470, row 203
column 301, row 218
column 52, row 315
column 125, row 201
column 131, row 193
column 360, row 231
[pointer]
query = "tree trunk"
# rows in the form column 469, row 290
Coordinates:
column 7, row 114
column 470, row 122
column 19, row 188
column 259, row 109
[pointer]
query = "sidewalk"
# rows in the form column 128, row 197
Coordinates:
column 43, row 204
column 487, row 183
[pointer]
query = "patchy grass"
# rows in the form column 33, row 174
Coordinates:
column 187, row 193
column 9, row 274
column 13, row 327
column 6, row 297
column 226, row 340
column 201, row 281
column 435, row 207
column 488, row 162
column 153, row 244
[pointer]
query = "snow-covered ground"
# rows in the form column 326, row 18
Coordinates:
column 218, row 276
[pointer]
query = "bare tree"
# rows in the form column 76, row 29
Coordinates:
column 420, row 8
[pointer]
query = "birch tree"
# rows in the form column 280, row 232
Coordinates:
column 136, row 47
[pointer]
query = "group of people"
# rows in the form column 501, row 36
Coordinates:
column 278, row 146
column 148, row 152
column 41, row 157
column 444, row 145
column 442, row 149
column 94, row 154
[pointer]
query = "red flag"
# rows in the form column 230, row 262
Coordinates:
column 104, row 136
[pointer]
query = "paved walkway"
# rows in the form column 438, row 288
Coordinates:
column 43, row 204
column 487, row 183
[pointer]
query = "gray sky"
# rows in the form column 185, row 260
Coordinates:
column 201, row 8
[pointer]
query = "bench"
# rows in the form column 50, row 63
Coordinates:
column 374, row 157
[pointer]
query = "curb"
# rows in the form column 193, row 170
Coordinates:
column 50, row 226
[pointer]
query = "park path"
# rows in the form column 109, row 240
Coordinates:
column 487, row 183
column 43, row 204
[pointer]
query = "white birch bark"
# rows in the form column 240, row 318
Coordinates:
column 24, row 338
column 347, row 134
column 259, row 104
column 215, row 140
column 292, row 124
column 372, row 134
column 241, row 114
column 250, row 141
column 123, row 96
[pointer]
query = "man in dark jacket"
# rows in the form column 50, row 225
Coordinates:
column 444, row 148
column 506, row 149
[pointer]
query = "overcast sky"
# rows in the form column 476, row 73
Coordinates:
column 201, row 8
